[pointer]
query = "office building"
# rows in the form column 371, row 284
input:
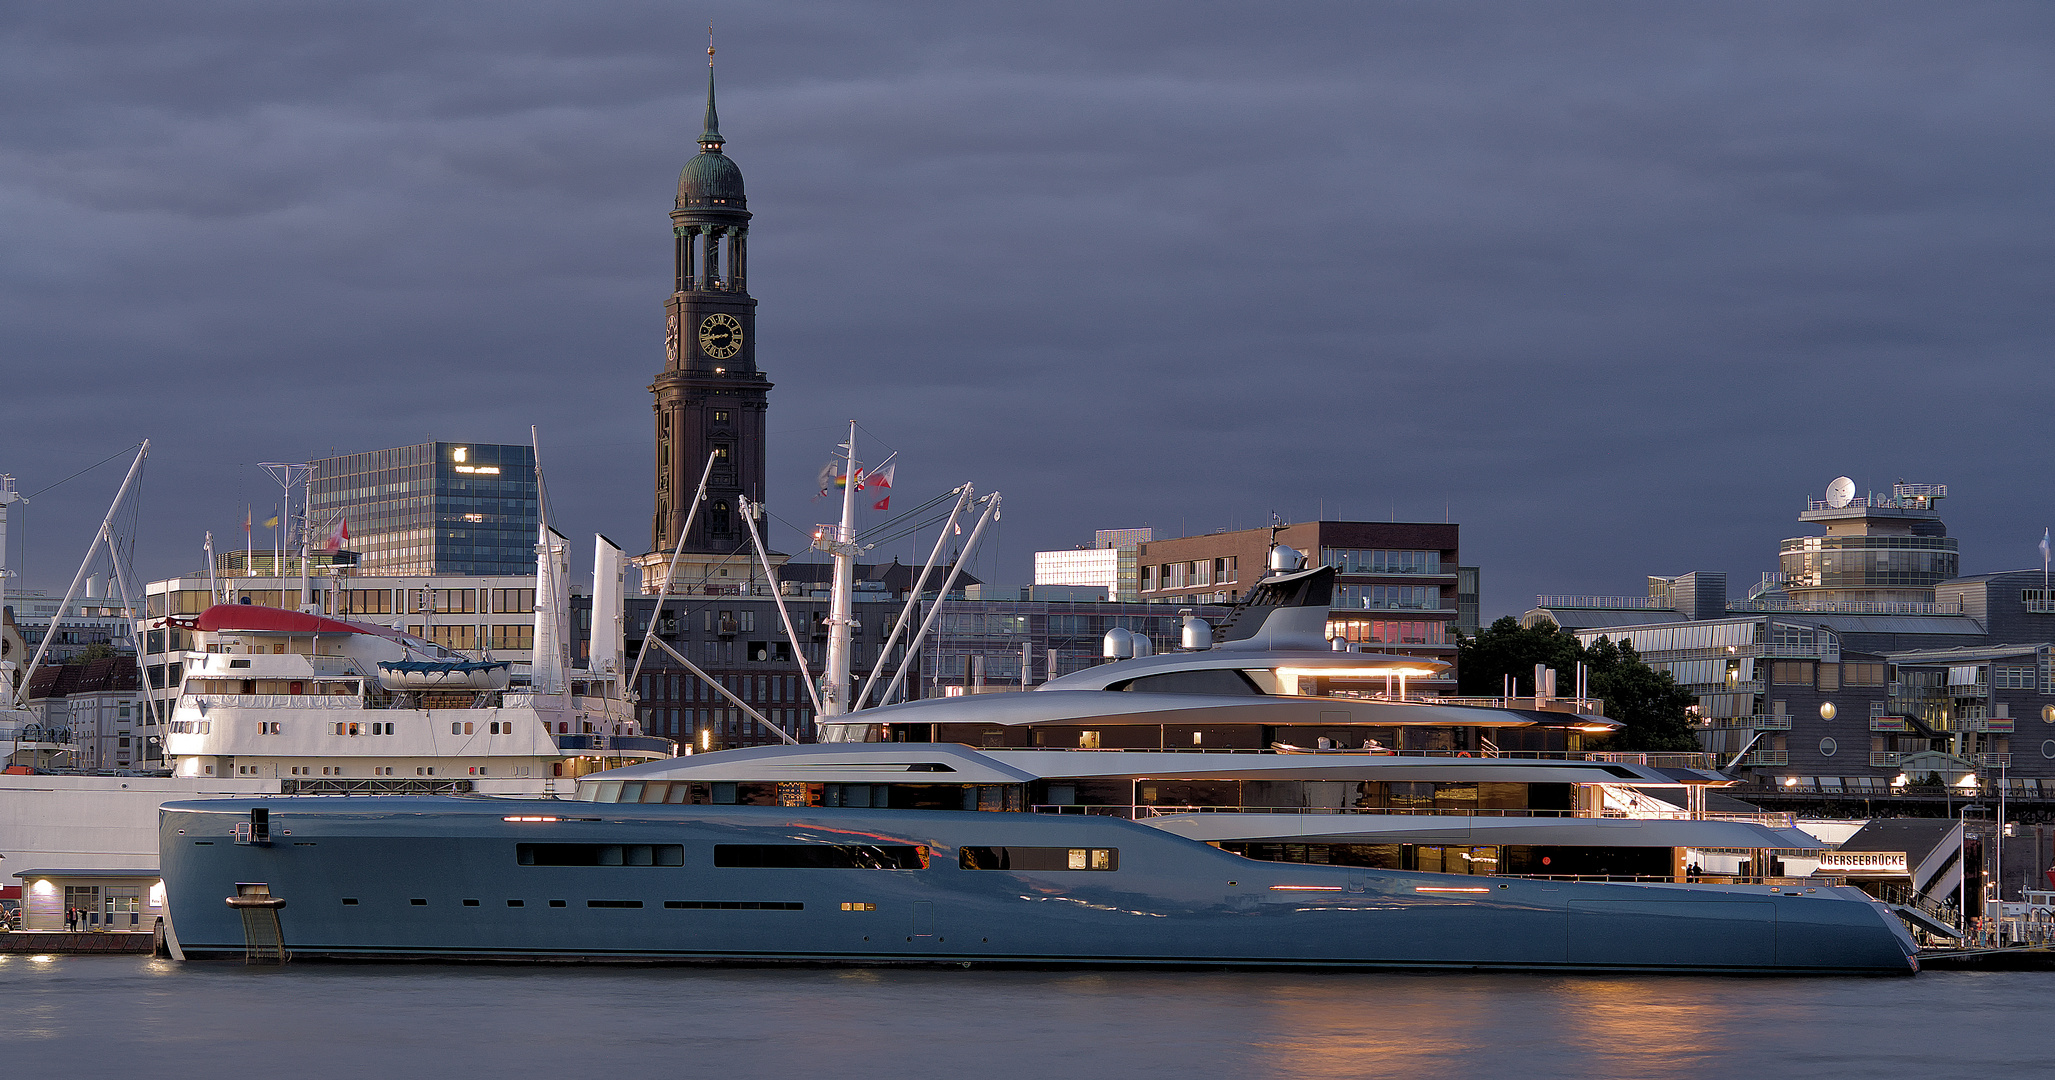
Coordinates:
column 1862, row 664
column 1109, row 563
column 93, row 618
column 434, row 508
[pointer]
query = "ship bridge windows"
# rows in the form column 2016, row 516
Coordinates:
column 1219, row 681
column 599, row 854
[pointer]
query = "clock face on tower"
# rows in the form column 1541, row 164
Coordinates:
column 720, row 335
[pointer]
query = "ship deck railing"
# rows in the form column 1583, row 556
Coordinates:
column 638, row 744
column 277, row 701
column 1148, row 810
column 1652, row 760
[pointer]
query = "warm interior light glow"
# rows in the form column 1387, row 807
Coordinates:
column 1356, row 672
column 1305, row 888
column 527, row 817
column 1446, row 888
column 43, row 886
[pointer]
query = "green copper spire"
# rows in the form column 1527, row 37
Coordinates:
column 710, row 139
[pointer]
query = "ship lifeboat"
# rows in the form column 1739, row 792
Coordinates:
column 436, row 675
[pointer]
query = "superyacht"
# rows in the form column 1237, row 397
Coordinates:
column 1237, row 804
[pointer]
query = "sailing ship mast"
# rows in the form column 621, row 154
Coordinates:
column 840, row 541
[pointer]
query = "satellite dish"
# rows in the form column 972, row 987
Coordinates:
column 1841, row 492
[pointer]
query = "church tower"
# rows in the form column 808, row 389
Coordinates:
column 710, row 398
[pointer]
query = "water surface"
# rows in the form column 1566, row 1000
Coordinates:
column 96, row 1016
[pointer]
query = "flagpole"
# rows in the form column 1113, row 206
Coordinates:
column 835, row 686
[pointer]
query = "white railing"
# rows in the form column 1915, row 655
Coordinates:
column 1147, row 810
column 276, row 701
column 1848, row 607
column 1883, row 759
column 1606, row 603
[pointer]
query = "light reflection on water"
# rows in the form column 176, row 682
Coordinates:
column 99, row 1015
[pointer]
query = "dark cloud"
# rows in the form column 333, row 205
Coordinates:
column 1613, row 285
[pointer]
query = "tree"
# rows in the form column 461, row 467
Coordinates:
column 1507, row 648
column 1655, row 710
column 98, row 650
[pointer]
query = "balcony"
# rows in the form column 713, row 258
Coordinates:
column 1766, row 757
column 1883, row 759
column 1991, row 761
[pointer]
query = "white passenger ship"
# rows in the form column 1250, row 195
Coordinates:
column 334, row 706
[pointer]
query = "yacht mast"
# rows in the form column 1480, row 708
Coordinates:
column 840, row 541
column 548, row 660
column 7, row 498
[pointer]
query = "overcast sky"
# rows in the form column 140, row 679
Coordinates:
column 1615, row 286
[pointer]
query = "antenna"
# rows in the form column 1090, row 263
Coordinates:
column 1840, row 492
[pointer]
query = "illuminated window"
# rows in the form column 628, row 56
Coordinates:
column 1038, row 858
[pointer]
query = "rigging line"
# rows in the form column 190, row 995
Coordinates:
column 881, row 541
column 894, row 522
column 876, row 438
column 82, row 472
column 905, row 528
column 875, row 539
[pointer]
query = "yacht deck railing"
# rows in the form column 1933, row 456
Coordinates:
column 1149, row 810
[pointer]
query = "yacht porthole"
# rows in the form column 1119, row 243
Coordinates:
column 1827, row 747
column 2048, row 749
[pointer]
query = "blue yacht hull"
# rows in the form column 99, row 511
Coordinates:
column 482, row 879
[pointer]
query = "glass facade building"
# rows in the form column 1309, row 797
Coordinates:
column 432, row 508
